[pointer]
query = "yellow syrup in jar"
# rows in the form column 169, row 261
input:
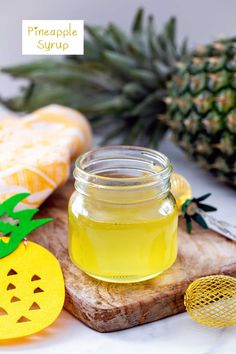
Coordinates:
column 126, row 243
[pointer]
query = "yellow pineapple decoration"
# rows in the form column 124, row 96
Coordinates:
column 181, row 189
column 32, row 286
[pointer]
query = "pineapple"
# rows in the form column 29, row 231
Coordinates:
column 136, row 86
column 32, row 286
column 202, row 108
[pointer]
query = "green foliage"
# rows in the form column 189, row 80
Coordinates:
column 133, row 86
column 119, row 84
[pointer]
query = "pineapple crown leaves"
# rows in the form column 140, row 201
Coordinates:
column 16, row 224
column 190, row 211
column 123, row 75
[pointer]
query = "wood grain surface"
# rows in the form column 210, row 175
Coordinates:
column 109, row 307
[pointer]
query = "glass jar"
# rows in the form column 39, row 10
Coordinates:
column 122, row 216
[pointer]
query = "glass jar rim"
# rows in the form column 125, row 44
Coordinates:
column 153, row 158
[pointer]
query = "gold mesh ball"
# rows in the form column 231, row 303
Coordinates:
column 211, row 300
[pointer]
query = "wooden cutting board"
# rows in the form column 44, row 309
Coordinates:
column 109, row 307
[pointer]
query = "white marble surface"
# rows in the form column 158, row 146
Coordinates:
column 174, row 335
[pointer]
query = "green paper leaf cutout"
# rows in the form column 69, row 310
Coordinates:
column 199, row 220
column 189, row 225
column 16, row 225
column 206, row 207
column 203, row 197
column 196, row 217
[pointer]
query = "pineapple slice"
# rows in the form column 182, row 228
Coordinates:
column 32, row 291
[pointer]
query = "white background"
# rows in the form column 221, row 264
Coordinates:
column 202, row 21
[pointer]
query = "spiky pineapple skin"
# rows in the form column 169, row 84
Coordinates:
column 202, row 108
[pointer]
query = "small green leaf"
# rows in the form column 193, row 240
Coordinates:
column 184, row 49
column 145, row 77
column 151, row 36
column 169, row 34
column 138, row 21
column 188, row 224
column 119, row 61
column 203, row 197
column 206, row 207
column 100, row 37
column 134, row 90
column 199, row 220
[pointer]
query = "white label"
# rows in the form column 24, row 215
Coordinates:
column 52, row 37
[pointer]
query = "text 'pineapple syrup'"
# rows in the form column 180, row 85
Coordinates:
column 122, row 216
